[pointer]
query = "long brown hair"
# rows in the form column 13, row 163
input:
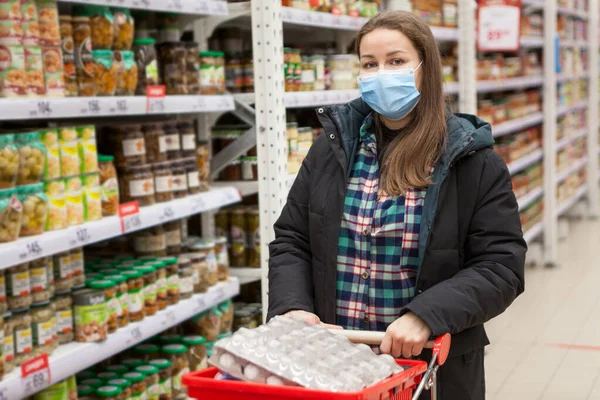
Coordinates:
column 408, row 158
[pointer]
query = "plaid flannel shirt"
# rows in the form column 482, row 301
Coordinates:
column 378, row 252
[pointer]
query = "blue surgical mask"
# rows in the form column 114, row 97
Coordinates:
column 391, row 93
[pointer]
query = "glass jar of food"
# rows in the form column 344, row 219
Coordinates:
column 23, row 336
column 149, row 276
column 219, row 57
column 243, row 319
column 3, row 304
column 156, row 143
column 180, row 187
column 122, row 384
column 84, row 62
column 172, row 277
column 43, row 325
column 123, row 24
column 152, row 381
column 64, row 316
column 207, row 324
column 192, row 68
column 32, row 158
column 177, row 354
column 77, row 266
column 147, row 65
column 252, row 230
column 106, row 392
column 172, row 140
column 161, row 283
column 127, row 76
column 18, row 287
column 172, row 57
column 85, row 392
column 197, row 358
column 249, row 168
column 129, row 145
column 150, row 242
column 226, row 309
column 138, row 385
column 173, row 234
column 222, row 257
column 186, row 278
column 137, row 183
column 203, row 163
column 119, row 369
column 233, row 171
column 147, row 351
column 8, row 343
column 109, row 185
column 107, row 375
column 233, row 73
column 105, row 72
column 90, row 315
column 67, row 46
column 238, row 237
column 92, row 382
column 200, row 268
column 164, row 377
column 163, row 180
column 187, row 133
column 193, row 175
column 63, row 274
column 169, row 338
column 207, row 248
column 132, row 363
column 41, row 277
column 110, row 297
column 122, row 298
column 101, row 23
column 9, row 161
column 135, row 295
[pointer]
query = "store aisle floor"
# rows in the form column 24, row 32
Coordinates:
column 547, row 345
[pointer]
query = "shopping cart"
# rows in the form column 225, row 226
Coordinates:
column 406, row 385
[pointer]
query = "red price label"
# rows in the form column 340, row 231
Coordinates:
column 155, row 98
column 35, row 374
column 129, row 214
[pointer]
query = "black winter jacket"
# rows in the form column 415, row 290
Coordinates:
column 471, row 245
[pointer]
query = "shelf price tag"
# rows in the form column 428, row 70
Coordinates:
column 31, row 250
column 129, row 214
column 155, row 99
column 42, row 108
column 35, row 375
column 168, row 213
column 499, row 25
column 175, row 5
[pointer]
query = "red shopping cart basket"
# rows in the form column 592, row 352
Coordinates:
column 417, row 375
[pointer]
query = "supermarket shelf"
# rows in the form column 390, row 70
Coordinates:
column 574, row 107
column 319, row 98
column 190, row 7
column 582, row 14
column 530, row 197
column 524, row 162
column 297, row 16
column 71, row 358
column 573, row 43
column 522, row 82
column 517, row 124
column 564, row 142
column 533, row 4
column 567, row 205
column 246, row 274
column 244, row 188
column 532, row 41
column 30, row 248
column 564, row 77
column 86, row 107
column 575, row 167
column 533, row 232
column 445, row 34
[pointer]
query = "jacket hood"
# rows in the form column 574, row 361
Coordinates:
column 466, row 133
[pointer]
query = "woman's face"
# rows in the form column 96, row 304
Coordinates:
column 388, row 49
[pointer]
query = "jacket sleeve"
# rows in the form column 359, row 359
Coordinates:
column 493, row 273
column 290, row 261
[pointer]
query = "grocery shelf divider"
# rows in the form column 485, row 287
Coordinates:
column 498, row 85
column 69, row 359
column 564, row 142
column 565, row 77
column 569, row 203
column 52, row 242
column 189, row 7
column 317, row 19
column 518, row 124
column 575, row 167
column 580, row 105
column 530, row 197
column 533, row 232
column 526, row 161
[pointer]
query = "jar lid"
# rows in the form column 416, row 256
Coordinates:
column 193, row 340
column 134, row 376
column 28, row 137
column 146, row 348
column 84, row 390
column 160, row 363
column 147, row 258
column 41, row 304
column 108, row 391
column 108, row 271
column 19, row 311
column 131, row 274
column 219, row 53
column 132, row 363
column 120, row 383
column 220, row 240
column 116, row 278
column 100, row 284
column 203, row 244
column 147, row 370
column 206, row 54
column 157, row 264
column 105, row 158
column 169, row 260
column 118, row 368
column 87, row 374
column 7, row 315
column 107, row 375
column 93, row 382
column 174, row 349
column 144, row 41
column 170, row 339
column 146, row 269
column 243, row 313
column 102, row 53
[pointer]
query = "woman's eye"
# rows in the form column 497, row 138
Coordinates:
column 369, row 65
column 397, row 61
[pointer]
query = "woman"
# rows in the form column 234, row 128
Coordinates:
column 402, row 218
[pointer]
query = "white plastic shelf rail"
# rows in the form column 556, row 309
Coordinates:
column 564, row 142
column 90, row 107
column 569, row 203
column 74, row 357
column 517, row 125
column 564, row 109
column 190, row 7
column 526, row 161
column 499, row 85
column 530, row 197
column 573, row 168
column 246, row 274
column 48, row 243
column 533, row 232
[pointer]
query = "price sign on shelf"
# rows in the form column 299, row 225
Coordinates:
column 31, row 250
column 35, row 375
column 499, row 25
column 41, row 108
column 155, row 99
column 129, row 214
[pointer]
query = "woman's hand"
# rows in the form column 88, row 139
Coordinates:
column 406, row 336
column 309, row 318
